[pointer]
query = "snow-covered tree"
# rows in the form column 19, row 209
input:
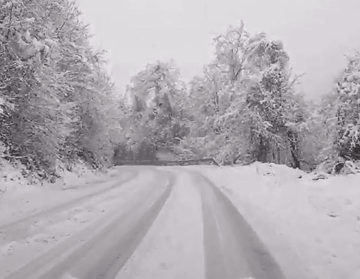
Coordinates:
column 55, row 95
column 244, row 106
column 157, row 94
column 348, row 110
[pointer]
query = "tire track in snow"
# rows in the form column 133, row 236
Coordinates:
column 232, row 248
column 112, row 242
column 173, row 247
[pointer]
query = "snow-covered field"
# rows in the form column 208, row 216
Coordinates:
column 311, row 227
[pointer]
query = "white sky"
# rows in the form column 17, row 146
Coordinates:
column 315, row 33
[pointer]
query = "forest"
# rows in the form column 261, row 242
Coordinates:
column 58, row 104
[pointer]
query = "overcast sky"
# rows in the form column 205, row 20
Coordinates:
column 315, row 33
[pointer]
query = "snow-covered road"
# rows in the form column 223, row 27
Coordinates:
column 147, row 223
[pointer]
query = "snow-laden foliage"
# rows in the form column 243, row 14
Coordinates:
column 348, row 110
column 244, row 105
column 334, row 133
column 55, row 99
column 58, row 103
column 154, row 120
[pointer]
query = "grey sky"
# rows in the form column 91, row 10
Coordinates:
column 315, row 33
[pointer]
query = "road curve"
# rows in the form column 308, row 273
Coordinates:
column 164, row 223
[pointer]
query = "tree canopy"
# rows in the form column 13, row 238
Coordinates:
column 56, row 100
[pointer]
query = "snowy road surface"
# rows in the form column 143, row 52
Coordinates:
column 151, row 223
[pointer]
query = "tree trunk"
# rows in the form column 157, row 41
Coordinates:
column 292, row 137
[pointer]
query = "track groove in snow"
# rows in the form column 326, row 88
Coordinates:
column 232, row 248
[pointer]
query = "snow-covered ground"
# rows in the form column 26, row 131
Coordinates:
column 11, row 179
column 19, row 197
column 311, row 227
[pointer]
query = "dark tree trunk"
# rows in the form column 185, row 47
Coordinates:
column 263, row 149
column 292, row 137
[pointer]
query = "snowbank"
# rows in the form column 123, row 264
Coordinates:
column 20, row 197
column 11, row 179
column 312, row 227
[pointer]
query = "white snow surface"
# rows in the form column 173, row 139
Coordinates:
column 11, row 179
column 19, row 197
column 311, row 227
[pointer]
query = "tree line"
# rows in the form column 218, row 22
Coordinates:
column 58, row 104
column 244, row 107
